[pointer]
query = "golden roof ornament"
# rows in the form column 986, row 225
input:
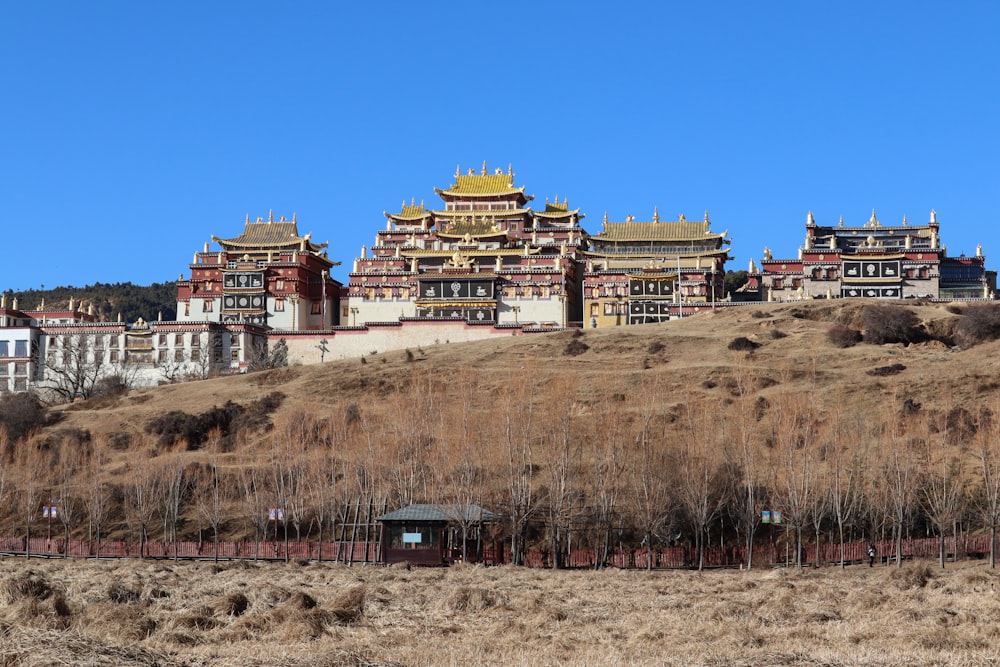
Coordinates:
column 706, row 217
column 510, row 169
column 873, row 221
column 841, row 221
column 810, row 219
column 14, row 305
column 656, row 214
column 72, row 304
column 681, row 218
column 484, row 168
column 270, row 216
column 933, row 217
column 458, row 170
column 904, row 220
column 248, row 218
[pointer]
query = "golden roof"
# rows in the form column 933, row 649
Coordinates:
column 472, row 227
column 506, row 252
column 411, row 211
column 269, row 235
column 656, row 231
column 484, row 184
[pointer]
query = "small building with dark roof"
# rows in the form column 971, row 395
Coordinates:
column 434, row 534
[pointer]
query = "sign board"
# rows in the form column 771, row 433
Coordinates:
column 412, row 538
column 454, row 288
column 242, row 280
column 867, row 269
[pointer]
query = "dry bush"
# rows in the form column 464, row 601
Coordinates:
column 472, row 598
column 655, row 347
column 575, row 348
column 234, row 604
column 882, row 371
column 842, row 336
column 891, row 324
column 914, row 575
column 27, row 585
column 743, row 344
column 349, row 606
column 979, row 323
column 120, row 594
column 778, row 334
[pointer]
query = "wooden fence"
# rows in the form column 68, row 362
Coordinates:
column 362, row 553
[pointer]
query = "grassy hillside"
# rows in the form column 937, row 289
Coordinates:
column 594, row 436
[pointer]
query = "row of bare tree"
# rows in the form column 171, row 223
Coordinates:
column 625, row 465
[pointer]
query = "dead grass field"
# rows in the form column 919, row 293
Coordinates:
column 164, row 613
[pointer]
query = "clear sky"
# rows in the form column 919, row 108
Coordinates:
column 130, row 132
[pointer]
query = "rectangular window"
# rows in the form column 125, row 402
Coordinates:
column 20, row 384
column 161, row 356
column 114, row 356
column 316, row 307
column 4, row 349
column 4, row 370
column 279, row 305
column 179, row 340
column 195, row 354
column 20, row 348
column 20, row 368
column 234, row 355
column 206, row 306
column 163, row 339
column 114, row 341
column 346, row 311
column 178, row 355
column 195, row 341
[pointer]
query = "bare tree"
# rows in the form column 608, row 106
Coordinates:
column 73, row 366
column 699, row 490
column 988, row 453
column 651, row 478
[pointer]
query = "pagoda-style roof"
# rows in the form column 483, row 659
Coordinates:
column 631, row 230
column 558, row 210
column 269, row 235
column 484, row 185
column 411, row 211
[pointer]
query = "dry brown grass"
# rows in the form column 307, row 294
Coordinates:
column 313, row 615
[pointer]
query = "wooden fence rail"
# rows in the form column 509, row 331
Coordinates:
column 362, row 553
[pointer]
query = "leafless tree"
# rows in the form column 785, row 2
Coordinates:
column 988, row 454
column 73, row 367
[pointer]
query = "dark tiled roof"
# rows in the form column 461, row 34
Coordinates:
column 435, row 512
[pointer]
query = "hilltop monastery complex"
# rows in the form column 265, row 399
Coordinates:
column 484, row 262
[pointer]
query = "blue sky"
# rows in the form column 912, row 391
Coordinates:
column 131, row 132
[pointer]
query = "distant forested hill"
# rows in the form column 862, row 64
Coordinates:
column 132, row 301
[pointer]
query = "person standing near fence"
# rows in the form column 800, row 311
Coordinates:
column 871, row 555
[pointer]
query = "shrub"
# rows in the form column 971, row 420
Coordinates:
column 20, row 414
column 978, row 324
column 656, row 346
column 882, row 371
column 575, row 347
column 743, row 344
column 778, row 334
column 891, row 324
column 842, row 336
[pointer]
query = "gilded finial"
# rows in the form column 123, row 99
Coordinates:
column 874, row 220
column 270, row 215
column 904, row 220
column 656, row 214
column 413, row 201
column 458, row 170
column 293, row 217
column 681, row 218
column 841, row 224
column 484, row 168
column 605, row 218
column 933, row 217
column 248, row 218
column 706, row 217
column 810, row 219
column 510, row 169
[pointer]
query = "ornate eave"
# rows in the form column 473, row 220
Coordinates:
column 264, row 235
